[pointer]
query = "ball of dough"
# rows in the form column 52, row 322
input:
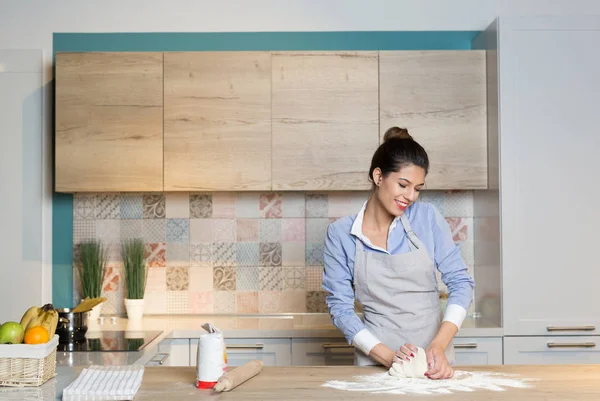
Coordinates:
column 416, row 368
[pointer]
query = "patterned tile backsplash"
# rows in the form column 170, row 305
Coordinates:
column 233, row 252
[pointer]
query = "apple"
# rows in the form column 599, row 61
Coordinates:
column 11, row 333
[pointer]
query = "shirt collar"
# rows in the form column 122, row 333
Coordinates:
column 356, row 229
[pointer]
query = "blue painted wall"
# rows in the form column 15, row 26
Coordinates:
column 62, row 207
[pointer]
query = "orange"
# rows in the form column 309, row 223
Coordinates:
column 36, row 335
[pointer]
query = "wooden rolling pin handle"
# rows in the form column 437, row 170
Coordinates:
column 239, row 375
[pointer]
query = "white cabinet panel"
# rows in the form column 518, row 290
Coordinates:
column 272, row 351
column 478, row 351
column 551, row 350
column 178, row 351
column 321, row 352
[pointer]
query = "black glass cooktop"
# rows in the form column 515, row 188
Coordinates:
column 111, row 341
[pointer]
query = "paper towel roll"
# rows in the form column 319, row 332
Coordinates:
column 211, row 360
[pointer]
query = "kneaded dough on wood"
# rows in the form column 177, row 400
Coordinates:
column 416, row 368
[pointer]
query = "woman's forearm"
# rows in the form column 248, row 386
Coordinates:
column 445, row 334
column 382, row 354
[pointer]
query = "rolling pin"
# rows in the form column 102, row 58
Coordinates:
column 239, row 375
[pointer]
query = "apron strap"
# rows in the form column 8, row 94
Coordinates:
column 412, row 237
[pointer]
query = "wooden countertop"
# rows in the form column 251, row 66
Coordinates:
column 553, row 382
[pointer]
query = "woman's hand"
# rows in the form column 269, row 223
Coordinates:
column 405, row 353
column 439, row 367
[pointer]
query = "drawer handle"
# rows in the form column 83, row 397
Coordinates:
column 572, row 345
column 466, row 345
column 161, row 360
column 245, row 346
column 571, row 328
column 329, row 346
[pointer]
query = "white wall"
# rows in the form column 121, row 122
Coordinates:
column 29, row 24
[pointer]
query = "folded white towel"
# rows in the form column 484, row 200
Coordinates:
column 100, row 383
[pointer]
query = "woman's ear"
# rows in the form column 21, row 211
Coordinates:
column 377, row 176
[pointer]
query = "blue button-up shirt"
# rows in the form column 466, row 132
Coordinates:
column 433, row 231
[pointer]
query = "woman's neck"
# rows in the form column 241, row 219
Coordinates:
column 376, row 218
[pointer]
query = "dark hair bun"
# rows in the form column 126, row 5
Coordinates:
column 396, row 132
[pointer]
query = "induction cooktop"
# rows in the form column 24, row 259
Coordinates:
column 111, row 341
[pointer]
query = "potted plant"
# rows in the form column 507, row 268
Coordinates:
column 91, row 268
column 134, row 265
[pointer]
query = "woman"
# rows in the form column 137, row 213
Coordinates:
column 386, row 256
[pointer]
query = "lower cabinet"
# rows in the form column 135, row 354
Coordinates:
column 478, row 351
column 272, row 351
column 174, row 352
column 552, row 350
column 321, row 352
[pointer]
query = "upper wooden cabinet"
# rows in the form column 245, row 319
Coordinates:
column 325, row 119
column 109, row 120
column 217, row 121
column 440, row 97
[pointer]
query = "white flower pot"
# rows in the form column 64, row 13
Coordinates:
column 94, row 314
column 135, row 309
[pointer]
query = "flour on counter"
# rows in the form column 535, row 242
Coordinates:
column 383, row 383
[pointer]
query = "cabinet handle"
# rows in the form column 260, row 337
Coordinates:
column 571, row 328
column 242, row 346
column 328, row 346
column 572, row 345
column 161, row 360
column 466, row 345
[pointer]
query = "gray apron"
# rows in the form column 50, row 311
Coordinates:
column 399, row 296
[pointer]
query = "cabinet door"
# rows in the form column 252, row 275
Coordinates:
column 109, row 122
column 272, row 351
column 551, row 350
column 440, row 97
column 321, row 352
column 217, row 121
column 478, row 351
column 549, row 170
column 178, row 351
column 325, row 119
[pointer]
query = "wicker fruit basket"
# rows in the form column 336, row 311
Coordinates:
column 24, row 365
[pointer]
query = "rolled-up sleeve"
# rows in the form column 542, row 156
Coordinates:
column 337, row 281
column 449, row 262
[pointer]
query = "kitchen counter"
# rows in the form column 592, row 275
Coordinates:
column 552, row 383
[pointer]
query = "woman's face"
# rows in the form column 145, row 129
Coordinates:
column 398, row 190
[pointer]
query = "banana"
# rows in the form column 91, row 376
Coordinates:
column 45, row 316
column 31, row 314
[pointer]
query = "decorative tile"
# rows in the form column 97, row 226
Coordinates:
column 177, row 302
column 294, row 230
column 293, row 253
column 315, row 302
column 247, row 253
column 247, row 302
column 156, row 280
column 458, row 228
column 316, row 205
column 108, row 206
column 224, row 230
column 201, row 206
column 131, row 228
column 84, row 207
column 358, row 199
column 293, row 301
column 178, row 254
column 113, row 252
column 154, row 206
column 269, row 302
column 246, row 205
column 224, row 254
column 436, row 198
column 155, row 254
column 294, row 278
column 201, row 230
column 269, row 230
column 201, row 279
column 154, row 230
column 293, row 204
column 83, row 230
column 458, row 204
column 314, row 279
column 314, row 254
column 114, row 304
column 316, row 230
column 108, row 231
column 247, row 278
column 340, row 204
column 178, row 278
column 224, row 302
column 178, row 230
column 270, row 254
column 131, row 206
column 201, row 255
column 224, row 278
column 112, row 279
column 247, row 230
column 178, row 205
column 200, row 302
column 467, row 250
column 155, row 303
column 269, row 205
column 271, row 278
column 224, row 205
